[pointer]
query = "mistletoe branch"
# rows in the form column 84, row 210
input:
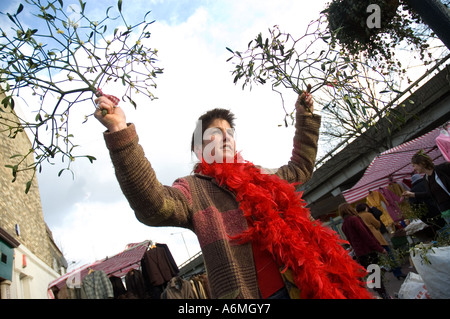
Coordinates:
column 355, row 91
column 62, row 64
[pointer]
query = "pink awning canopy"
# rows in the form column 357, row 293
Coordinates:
column 394, row 165
column 117, row 265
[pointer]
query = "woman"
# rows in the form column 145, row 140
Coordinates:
column 370, row 221
column 241, row 215
column 362, row 240
column 437, row 180
column 374, row 225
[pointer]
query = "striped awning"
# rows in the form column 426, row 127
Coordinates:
column 394, row 165
column 117, row 265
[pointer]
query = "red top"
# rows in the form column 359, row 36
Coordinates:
column 269, row 277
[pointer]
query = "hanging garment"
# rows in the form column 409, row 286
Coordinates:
column 392, row 201
column 375, row 199
column 198, row 288
column 396, row 188
column 118, row 287
column 170, row 260
column 135, row 284
column 200, row 282
column 201, row 290
column 443, row 143
column 157, row 266
column 96, row 285
column 178, row 288
column 194, row 288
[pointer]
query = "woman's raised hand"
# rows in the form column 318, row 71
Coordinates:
column 110, row 115
column 305, row 102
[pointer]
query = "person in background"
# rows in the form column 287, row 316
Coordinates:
column 374, row 225
column 437, row 182
column 433, row 216
column 375, row 212
column 365, row 246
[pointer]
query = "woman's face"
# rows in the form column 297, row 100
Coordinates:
column 218, row 142
column 419, row 169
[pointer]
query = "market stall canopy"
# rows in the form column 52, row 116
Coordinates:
column 394, row 165
column 117, row 265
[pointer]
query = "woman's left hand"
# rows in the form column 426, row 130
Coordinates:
column 305, row 102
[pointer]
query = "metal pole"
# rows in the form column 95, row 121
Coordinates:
column 181, row 233
column 436, row 15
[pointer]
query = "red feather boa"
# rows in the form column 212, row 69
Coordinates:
column 279, row 221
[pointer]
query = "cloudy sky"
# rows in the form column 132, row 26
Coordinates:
column 88, row 215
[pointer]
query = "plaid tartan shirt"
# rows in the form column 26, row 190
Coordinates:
column 97, row 285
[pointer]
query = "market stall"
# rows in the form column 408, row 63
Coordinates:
column 142, row 270
column 394, row 166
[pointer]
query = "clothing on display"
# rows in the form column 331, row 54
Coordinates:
column 443, row 142
column 118, row 287
column 178, row 288
column 146, row 278
column 96, row 285
column 135, row 284
column 398, row 188
column 193, row 287
column 392, row 201
column 376, row 199
column 158, row 265
column 200, row 285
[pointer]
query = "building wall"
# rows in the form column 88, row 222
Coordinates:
column 21, row 214
column 30, row 276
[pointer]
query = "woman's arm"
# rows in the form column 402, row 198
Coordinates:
column 153, row 203
column 307, row 125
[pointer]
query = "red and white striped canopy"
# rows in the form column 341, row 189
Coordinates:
column 117, row 265
column 393, row 165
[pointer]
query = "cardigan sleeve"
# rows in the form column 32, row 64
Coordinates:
column 153, row 203
column 301, row 164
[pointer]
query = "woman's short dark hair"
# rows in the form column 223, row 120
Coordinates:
column 420, row 158
column 361, row 207
column 205, row 121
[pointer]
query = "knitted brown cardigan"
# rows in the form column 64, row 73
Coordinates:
column 198, row 203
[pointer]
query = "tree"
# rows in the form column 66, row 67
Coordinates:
column 64, row 63
column 355, row 84
column 375, row 28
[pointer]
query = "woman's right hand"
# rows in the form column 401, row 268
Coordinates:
column 408, row 194
column 114, row 119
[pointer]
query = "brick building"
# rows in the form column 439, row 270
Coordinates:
column 29, row 257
